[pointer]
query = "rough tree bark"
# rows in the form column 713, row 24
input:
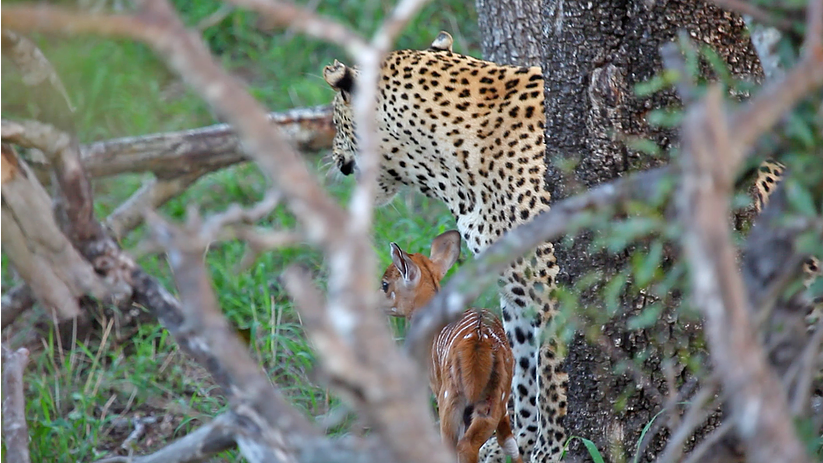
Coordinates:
column 593, row 55
column 512, row 31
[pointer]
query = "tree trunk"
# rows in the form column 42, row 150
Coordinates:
column 512, row 31
column 593, row 55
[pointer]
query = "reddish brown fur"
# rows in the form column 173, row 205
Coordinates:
column 471, row 365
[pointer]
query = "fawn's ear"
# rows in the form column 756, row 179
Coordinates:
column 340, row 77
column 408, row 269
column 445, row 251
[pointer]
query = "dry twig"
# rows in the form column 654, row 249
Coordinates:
column 694, row 417
column 757, row 400
column 151, row 195
column 15, row 429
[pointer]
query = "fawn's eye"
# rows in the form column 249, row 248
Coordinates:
column 385, row 286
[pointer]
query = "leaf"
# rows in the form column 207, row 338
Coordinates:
column 645, row 269
column 643, row 145
column 657, row 83
column 665, row 117
column 646, row 318
column 593, row 452
column 612, row 291
column 643, row 434
column 800, row 198
column 798, row 128
column 718, row 65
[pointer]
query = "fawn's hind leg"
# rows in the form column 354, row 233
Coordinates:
column 480, row 429
column 506, row 439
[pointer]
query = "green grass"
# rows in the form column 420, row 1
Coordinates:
column 80, row 400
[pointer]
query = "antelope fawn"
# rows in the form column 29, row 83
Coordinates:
column 471, row 362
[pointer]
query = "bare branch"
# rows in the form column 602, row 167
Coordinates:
column 37, row 69
column 45, row 259
column 213, row 226
column 779, row 96
column 365, row 116
column 151, row 195
column 204, row 149
column 215, row 18
column 758, row 402
column 563, row 218
column 287, row 14
column 75, row 207
column 709, row 442
column 694, row 418
column 15, row 429
column 207, row 336
column 214, row 437
column 813, row 45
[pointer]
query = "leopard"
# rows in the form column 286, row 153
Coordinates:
column 470, row 133
column 770, row 174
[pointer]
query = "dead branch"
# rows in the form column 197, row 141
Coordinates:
column 286, row 14
column 202, row 150
column 45, row 259
column 37, row 69
column 16, row 301
column 139, row 430
column 782, row 94
column 365, row 118
column 268, row 425
column 709, row 442
column 75, row 205
column 758, row 403
column 694, row 417
column 15, row 429
column 565, row 217
column 153, row 194
column 673, row 61
column 235, row 223
column 214, row 437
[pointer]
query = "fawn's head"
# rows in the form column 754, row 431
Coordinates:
column 412, row 280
